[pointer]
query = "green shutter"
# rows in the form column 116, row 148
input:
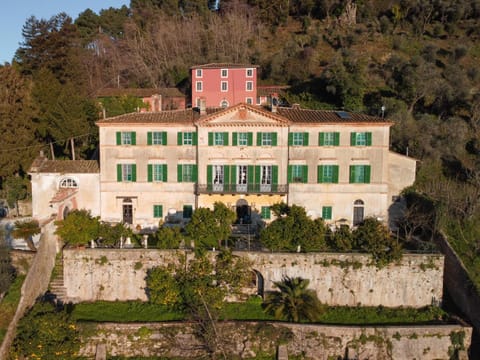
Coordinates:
column 274, row 177
column 233, row 175
column 164, row 138
column 321, row 139
column 119, row 138
column 274, row 139
column 290, row 139
column 352, row 174
column 157, row 211
column 133, row 134
column 134, row 172
column 225, row 138
column 150, row 172
column 149, row 138
column 194, row 138
column 235, row 139
column 259, row 139
column 119, row 172
column 265, row 212
column 336, row 138
column 250, row 139
column 289, row 173
column 305, row 174
column 210, row 138
column 164, row 173
column 194, row 173
column 335, row 174
column 209, row 174
column 179, row 138
column 327, row 212
column 367, row 174
column 305, row 139
column 226, row 174
column 320, row 174
column 353, row 139
column 368, row 137
column 252, row 176
column 179, row 173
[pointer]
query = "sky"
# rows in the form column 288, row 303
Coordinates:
column 14, row 14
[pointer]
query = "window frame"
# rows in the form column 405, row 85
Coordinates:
column 157, row 173
column 327, row 212
column 157, row 211
column 187, row 138
column 297, row 139
column 327, row 174
column 360, row 174
column 224, row 86
column 126, row 172
column 267, row 139
column 266, row 212
column 249, row 86
column 157, row 138
column 249, row 100
column 199, row 86
column 224, row 73
column 199, row 73
column 247, row 71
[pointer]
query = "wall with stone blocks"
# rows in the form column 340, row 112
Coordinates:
column 247, row 340
column 339, row 279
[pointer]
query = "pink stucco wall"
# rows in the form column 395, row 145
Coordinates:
column 236, row 80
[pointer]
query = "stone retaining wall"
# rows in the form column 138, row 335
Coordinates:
column 339, row 279
column 248, row 340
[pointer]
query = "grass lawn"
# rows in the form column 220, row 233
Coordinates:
column 8, row 306
column 135, row 311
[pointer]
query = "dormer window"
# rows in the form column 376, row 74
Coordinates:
column 68, row 183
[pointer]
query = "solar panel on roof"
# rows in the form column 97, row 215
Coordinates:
column 343, row 114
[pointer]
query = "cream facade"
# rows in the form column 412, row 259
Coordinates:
column 162, row 166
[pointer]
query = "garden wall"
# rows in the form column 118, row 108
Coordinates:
column 250, row 340
column 339, row 279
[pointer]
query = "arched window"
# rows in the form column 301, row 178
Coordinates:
column 224, row 104
column 358, row 212
column 68, row 183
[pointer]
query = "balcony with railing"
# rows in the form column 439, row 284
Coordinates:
column 241, row 189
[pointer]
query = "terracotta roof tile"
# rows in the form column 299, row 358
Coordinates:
column 265, row 90
column 223, row 65
column 43, row 165
column 297, row 115
column 187, row 116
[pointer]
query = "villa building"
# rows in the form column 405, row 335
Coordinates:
column 162, row 165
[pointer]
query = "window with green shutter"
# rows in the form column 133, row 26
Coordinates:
column 329, row 139
column 326, row 212
column 218, row 138
column 242, row 139
column 298, row 139
column 298, row 174
column 126, row 137
column 186, row 173
column 157, row 138
column 267, row 139
column 265, row 212
column 360, row 138
column 328, row 174
column 359, row 174
column 187, row 138
column 126, row 173
column 157, row 211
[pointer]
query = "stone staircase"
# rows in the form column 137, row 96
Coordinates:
column 57, row 286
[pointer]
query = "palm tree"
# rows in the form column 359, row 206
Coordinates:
column 293, row 301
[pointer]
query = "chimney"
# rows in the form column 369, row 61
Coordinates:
column 203, row 106
column 274, row 103
column 296, row 106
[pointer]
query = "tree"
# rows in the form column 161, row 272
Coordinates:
column 26, row 230
column 374, row 238
column 7, row 271
column 293, row 301
column 209, row 228
column 292, row 228
column 199, row 286
column 168, row 237
column 46, row 332
column 16, row 189
column 78, row 228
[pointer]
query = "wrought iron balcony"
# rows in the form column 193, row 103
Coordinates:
column 241, row 189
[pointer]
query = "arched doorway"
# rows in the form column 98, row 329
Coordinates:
column 259, row 282
column 66, row 211
column 358, row 212
column 243, row 212
column 127, row 211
